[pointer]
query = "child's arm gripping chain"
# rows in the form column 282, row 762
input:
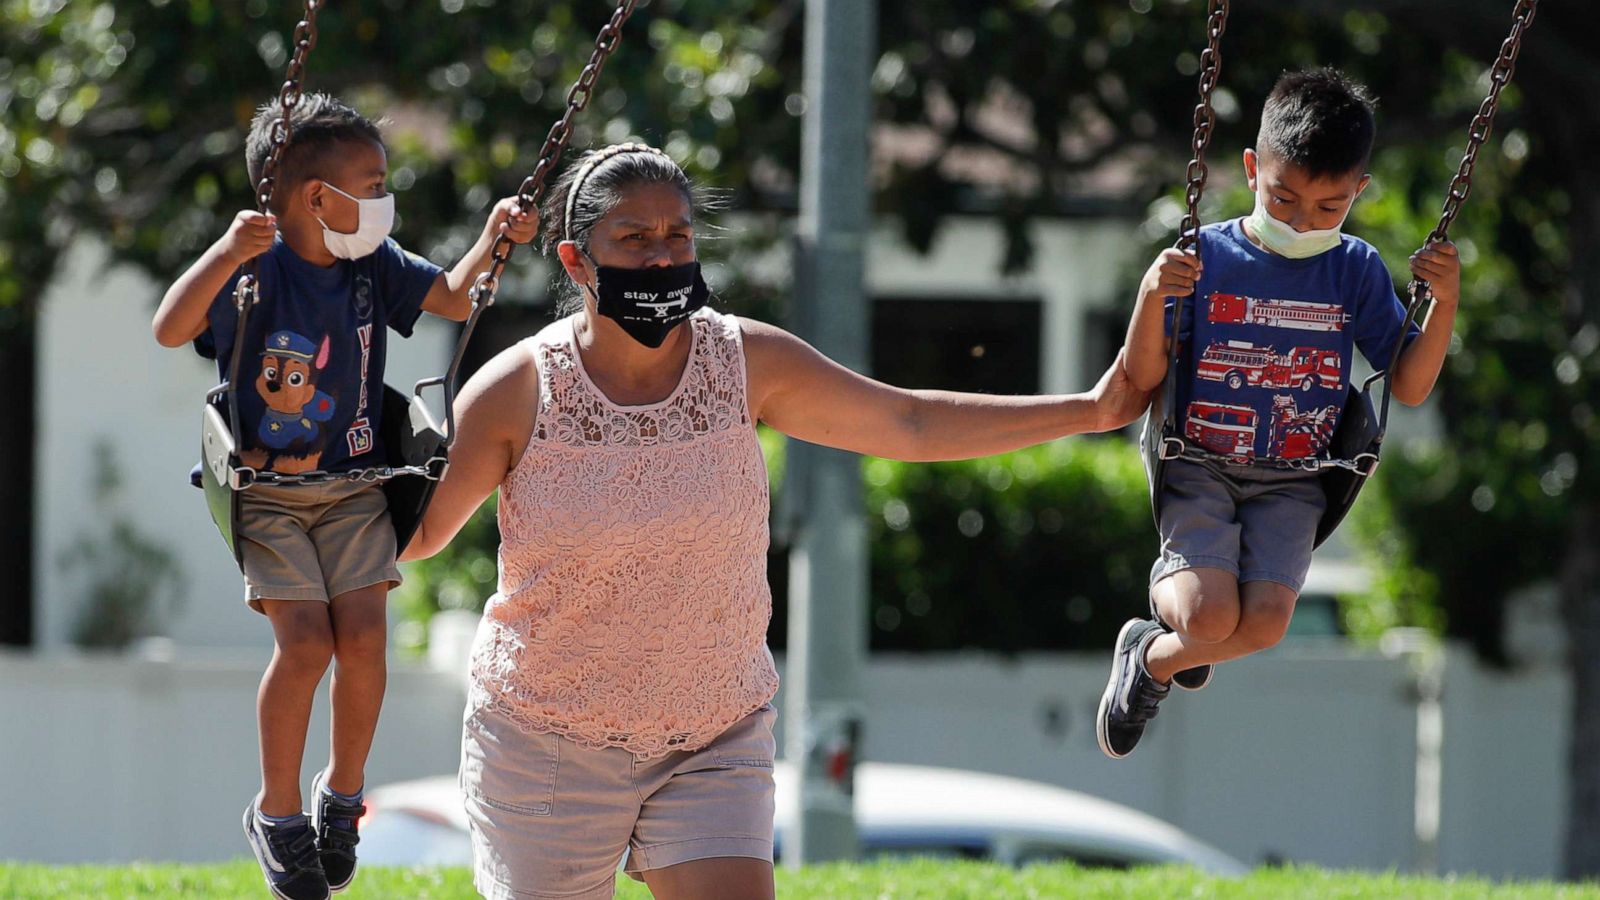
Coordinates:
column 182, row 315
column 1440, row 266
column 451, row 294
column 1173, row 274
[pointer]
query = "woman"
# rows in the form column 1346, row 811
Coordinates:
column 620, row 680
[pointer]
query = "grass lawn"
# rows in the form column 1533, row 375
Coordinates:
column 930, row 879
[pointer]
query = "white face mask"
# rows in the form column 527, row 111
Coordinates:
column 1281, row 238
column 374, row 220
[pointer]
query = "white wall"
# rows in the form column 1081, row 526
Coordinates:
column 1306, row 753
column 101, row 374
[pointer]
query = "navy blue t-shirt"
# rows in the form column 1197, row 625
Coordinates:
column 1265, row 365
column 311, row 377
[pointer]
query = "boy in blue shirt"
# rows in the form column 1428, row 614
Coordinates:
column 1272, row 309
column 319, row 560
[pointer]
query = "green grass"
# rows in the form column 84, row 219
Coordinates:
column 921, row 879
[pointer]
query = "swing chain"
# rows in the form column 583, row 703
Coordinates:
column 1499, row 76
column 1205, row 121
column 245, row 477
column 305, row 39
column 533, row 187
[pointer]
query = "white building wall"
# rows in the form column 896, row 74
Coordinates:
column 1305, row 753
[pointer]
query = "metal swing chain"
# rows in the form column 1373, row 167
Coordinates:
column 533, row 187
column 1205, row 122
column 1505, row 65
column 529, row 195
column 245, row 292
column 289, row 94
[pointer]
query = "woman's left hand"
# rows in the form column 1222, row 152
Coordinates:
column 1117, row 402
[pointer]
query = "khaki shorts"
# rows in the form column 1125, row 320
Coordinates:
column 550, row 818
column 315, row 542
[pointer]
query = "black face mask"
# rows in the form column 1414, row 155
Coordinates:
column 648, row 303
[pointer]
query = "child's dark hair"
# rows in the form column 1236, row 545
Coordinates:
column 1319, row 120
column 320, row 123
column 605, row 175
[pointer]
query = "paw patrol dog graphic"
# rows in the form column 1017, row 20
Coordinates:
column 291, row 427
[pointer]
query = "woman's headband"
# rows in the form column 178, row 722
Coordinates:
column 593, row 162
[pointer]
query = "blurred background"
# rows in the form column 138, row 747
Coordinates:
column 1435, row 708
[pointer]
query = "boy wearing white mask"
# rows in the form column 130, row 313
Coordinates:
column 319, row 560
column 1272, row 309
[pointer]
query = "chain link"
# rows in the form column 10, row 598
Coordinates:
column 433, row 470
column 289, row 94
column 1499, row 76
column 1205, row 121
column 533, row 187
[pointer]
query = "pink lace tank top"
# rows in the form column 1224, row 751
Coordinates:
column 633, row 605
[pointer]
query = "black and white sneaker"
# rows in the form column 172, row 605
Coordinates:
column 335, row 822
column 1131, row 696
column 1191, row 679
column 288, row 856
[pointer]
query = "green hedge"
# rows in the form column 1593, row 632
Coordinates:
column 1045, row 548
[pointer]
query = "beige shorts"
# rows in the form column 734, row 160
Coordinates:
column 315, row 542
column 550, row 818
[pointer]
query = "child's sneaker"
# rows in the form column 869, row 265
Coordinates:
column 1191, row 679
column 334, row 819
column 287, row 854
column 1131, row 696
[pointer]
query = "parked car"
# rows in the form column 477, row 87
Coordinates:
column 900, row 810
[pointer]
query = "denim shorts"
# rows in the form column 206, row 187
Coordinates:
column 551, row 818
column 1258, row 524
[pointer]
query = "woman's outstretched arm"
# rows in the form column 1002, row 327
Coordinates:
column 802, row 393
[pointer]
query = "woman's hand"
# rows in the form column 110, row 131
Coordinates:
column 1117, row 402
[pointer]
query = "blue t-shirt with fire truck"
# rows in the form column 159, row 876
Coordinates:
column 1266, row 362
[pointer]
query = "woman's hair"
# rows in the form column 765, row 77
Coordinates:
column 601, row 179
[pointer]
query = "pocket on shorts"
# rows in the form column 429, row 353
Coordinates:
column 749, row 742
column 505, row 769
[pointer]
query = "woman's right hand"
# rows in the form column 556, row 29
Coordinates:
column 249, row 236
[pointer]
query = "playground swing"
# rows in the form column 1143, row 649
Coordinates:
column 417, row 445
column 1357, row 439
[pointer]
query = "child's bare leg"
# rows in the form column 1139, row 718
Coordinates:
column 360, row 642
column 1201, row 604
column 1264, row 610
column 304, row 645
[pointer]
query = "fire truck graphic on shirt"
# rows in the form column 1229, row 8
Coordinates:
column 1241, row 363
column 1222, row 428
column 1235, row 309
column 1299, row 435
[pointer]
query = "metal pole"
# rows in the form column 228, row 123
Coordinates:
column 828, row 560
